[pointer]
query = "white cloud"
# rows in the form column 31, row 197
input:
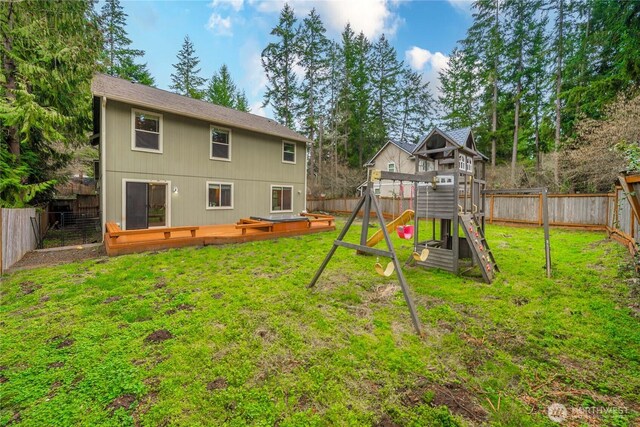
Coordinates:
column 429, row 64
column 372, row 17
column 462, row 6
column 219, row 25
column 236, row 5
column 258, row 109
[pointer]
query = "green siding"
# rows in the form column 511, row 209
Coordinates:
column 256, row 164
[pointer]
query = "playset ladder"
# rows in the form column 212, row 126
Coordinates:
column 479, row 246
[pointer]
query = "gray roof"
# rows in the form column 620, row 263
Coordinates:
column 409, row 148
column 158, row 99
column 459, row 136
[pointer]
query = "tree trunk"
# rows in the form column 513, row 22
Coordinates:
column 494, row 100
column 13, row 140
column 320, row 141
column 516, row 124
column 556, row 171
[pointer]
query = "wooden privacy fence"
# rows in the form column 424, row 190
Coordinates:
column 610, row 212
column 16, row 235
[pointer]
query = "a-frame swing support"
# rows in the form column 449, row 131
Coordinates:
column 367, row 200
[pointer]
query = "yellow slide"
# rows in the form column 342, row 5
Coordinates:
column 391, row 227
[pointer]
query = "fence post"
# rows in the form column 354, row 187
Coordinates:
column 539, row 209
column 491, row 210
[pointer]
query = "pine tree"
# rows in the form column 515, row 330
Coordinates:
column 484, row 47
column 185, row 80
column 221, row 89
column 416, row 107
column 313, row 48
column 278, row 60
column 521, row 24
column 49, row 55
column 242, row 104
column 458, row 87
column 386, row 72
column 118, row 56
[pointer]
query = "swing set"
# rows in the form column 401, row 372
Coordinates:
column 366, row 245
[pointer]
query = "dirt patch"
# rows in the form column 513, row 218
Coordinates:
column 66, row 343
column 160, row 284
column 112, row 299
column 28, row 287
column 146, row 403
column 55, row 365
column 181, row 307
column 158, row 336
column 125, row 401
column 16, row 418
column 304, row 402
column 54, row 387
column 3, row 379
column 383, row 293
column 386, row 421
column 459, row 400
column 219, row 383
column 43, row 258
column 218, row 295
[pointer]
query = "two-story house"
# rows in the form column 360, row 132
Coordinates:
column 170, row 160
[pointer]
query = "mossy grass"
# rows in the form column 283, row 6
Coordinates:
column 231, row 335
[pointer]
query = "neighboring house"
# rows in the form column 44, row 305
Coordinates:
column 169, row 160
column 399, row 157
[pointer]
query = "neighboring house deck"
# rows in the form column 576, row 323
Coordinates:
column 169, row 160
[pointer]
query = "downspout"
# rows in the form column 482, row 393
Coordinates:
column 306, row 167
column 103, row 164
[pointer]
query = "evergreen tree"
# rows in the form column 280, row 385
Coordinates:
column 386, row 72
column 185, row 80
column 278, row 60
column 49, row 55
column 118, row 57
column 416, row 107
column 520, row 26
column 222, row 90
column 458, row 87
column 484, row 47
column 313, row 48
column 242, row 104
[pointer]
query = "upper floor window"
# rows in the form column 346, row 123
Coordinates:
column 147, row 131
column 469, row 164
column 281, row 198
column 288, row 152
column 391, row 167
column 219, row 195
column 463, row 162
column 220, row 144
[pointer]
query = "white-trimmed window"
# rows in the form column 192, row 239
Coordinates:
column 469, row 164
column 219, row 195
column 146, row 131
column 281, row 198
column 391, row 166
column 220, row 144
column 463, row 162
column 288, row 152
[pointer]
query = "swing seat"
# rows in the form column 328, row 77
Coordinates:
column 422, row 256
column 405, row 231
column 386, row 272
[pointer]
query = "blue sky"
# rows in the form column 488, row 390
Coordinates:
column 234, row 32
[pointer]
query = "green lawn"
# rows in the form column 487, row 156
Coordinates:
column 232, row 336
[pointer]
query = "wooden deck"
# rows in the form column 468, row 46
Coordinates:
column 121, row 242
